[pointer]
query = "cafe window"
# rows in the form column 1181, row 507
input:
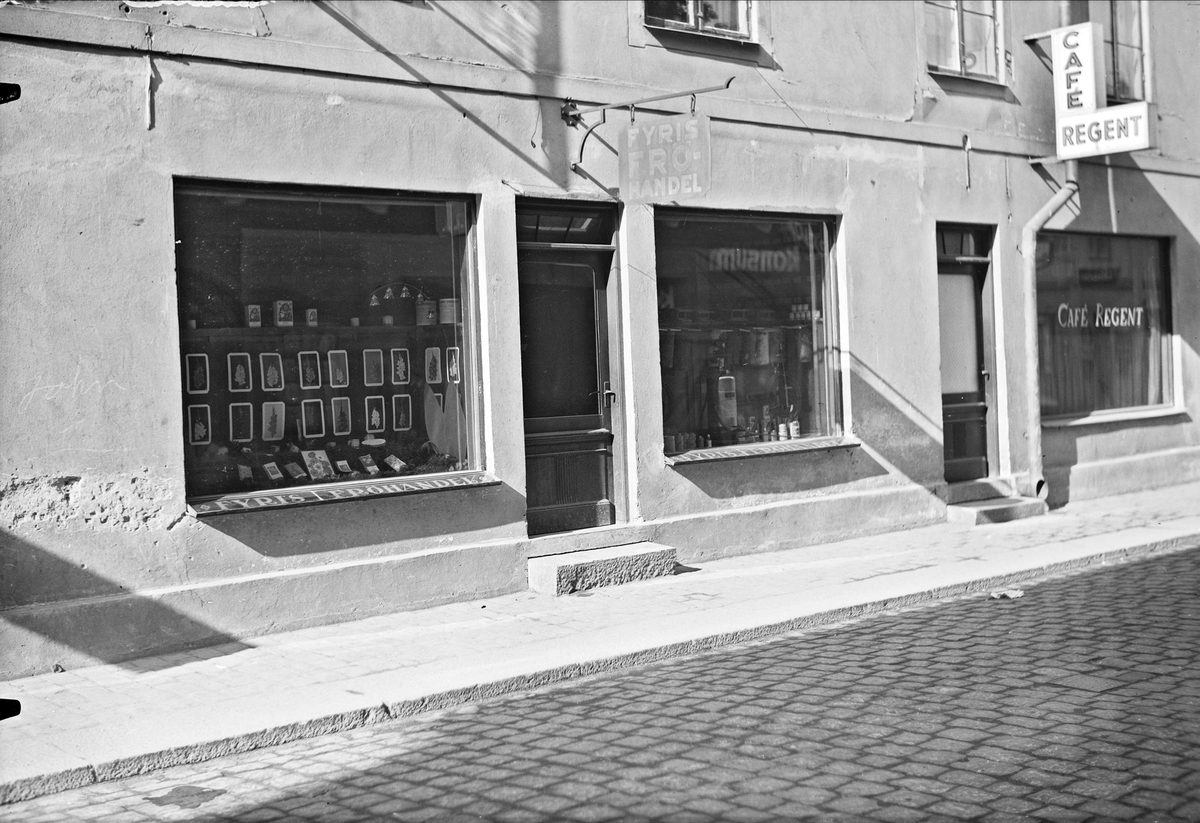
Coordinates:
column 961, row 37
column 1103, row 323
column 1121, row 21
column 746, row 329
column 322, row 337
column 722, row 18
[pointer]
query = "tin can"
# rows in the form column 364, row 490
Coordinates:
column 427, row 312
column 449, row 310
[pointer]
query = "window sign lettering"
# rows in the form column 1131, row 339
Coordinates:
column 665, row 159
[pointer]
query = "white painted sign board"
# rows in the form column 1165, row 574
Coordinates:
column 1082, row 126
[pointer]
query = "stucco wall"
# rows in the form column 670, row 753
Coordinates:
column 464, row 98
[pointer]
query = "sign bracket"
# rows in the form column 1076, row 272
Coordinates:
column 572, row 115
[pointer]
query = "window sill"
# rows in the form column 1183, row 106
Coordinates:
column 744, row 450
column 1119, row 416
column 337, row 492
column 990, row 82
column 729, row 37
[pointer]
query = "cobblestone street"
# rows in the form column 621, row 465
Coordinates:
column 1078, row 701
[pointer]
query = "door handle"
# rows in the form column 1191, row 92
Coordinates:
column 609, row 395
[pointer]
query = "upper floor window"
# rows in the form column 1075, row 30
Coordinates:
column 961, row 37
column 723, row 18
column 1121, row 21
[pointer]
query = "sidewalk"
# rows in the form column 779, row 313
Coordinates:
column 117, row 720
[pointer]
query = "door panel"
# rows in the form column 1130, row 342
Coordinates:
column 964, row 405
column 564, row 368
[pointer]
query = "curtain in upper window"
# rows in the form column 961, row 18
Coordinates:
column 961, row 37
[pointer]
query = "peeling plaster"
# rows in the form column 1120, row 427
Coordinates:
column 121, row 502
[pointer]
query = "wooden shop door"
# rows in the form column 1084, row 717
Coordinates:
column 563, row 262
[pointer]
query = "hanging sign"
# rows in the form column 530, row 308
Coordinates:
column 664, row 159
column 1082, row 126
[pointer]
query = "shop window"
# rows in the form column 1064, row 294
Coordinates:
column 746, row 329
column 1121, row 21
column 322, row 337
column 961, row 37
column 1103, row 323
column 722, row 18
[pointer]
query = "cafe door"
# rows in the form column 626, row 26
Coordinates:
column 963, row 266
column 563, row 259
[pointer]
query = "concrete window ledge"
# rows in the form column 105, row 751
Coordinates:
column 744, row 450
column 1119, row 416
column 338, row 492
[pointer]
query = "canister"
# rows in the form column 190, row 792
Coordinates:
column 427, row 312
column 450, row 310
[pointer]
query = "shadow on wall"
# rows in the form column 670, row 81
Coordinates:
column 900, row 440
column 512, row 31
column 370, row 522
column 1125, row 202
column 104, row 623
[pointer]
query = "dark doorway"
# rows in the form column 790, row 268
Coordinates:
column 963, row 261
column 564, row 254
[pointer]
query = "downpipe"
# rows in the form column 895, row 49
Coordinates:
column 1033, row 386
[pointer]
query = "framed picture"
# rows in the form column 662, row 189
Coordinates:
column 254, row 316
column 272, row 421
column 197, row 373
column 310, row 369
column 319, row 467
column 284, row 315
column 401, row 412
column 241, row 378
column 241, row 422
column 401, row 368
column 453, row 373
column 199, row 426
column 271, row 368
column 312, row 415
column 340, row 409
column 373, row 367
column 433, row 366
column 375, row 414
column 339, row 369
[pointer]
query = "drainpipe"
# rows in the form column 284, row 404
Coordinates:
column 1033, row 387
column 1069, row 12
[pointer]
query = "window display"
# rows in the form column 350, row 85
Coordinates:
column 1103, row 323
column 296, row 309
column 746, row 340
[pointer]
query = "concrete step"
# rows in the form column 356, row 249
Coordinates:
column 984, row 489
column 578, row 571
column 996, row 510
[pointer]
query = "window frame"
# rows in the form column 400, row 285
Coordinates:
column 747, row 13
column 1171, row 382
column 474, row 474
column 1000, row 53
column 836, row 391
column 1112, row 51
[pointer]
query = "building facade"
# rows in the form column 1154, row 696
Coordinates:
column 318, row 310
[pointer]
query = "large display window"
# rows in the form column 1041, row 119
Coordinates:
column 322, row 338
column 746, row 334
column 1103, row 322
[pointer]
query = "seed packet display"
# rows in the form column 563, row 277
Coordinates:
column 433, row 366
column 254, row 316
column 401, row 368
column 271, row 368
column 340, row 410
column 310, row 369
column 394, row 462
column 453, row 373
column 199, row 425
column 294, row 470
column 272, row 471
column 241, row 422
column 241, row 377
column 272, row 421
column 312, row 415
column 284, row 316
column 373, row 367
column 373, row 407
column 197, row 373
column 401, row 412
column 339, row 369
column 368, row 463
column 319, row 467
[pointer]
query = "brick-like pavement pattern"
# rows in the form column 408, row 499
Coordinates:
column 1079, row 701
